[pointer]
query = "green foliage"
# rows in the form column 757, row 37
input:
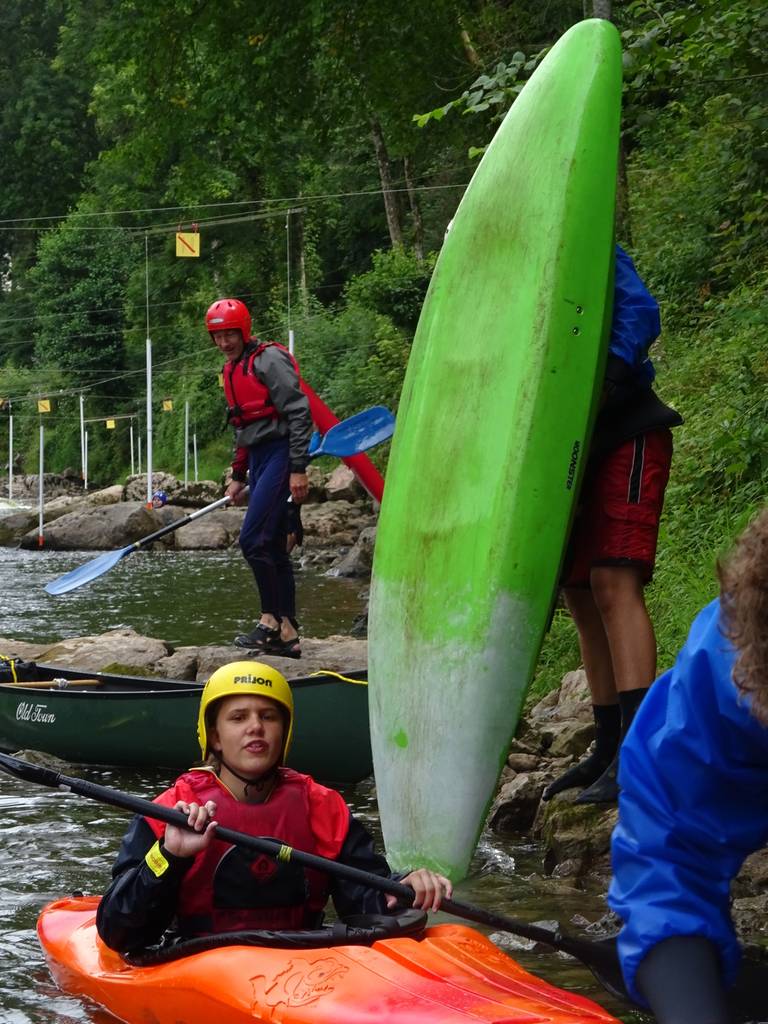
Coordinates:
column 395, row 287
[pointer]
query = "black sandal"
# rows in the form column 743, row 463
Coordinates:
column 259, row 639
column 285, row 648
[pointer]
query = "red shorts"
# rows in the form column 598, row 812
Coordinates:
column 617, row 522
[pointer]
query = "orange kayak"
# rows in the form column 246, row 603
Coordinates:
column 451, row 974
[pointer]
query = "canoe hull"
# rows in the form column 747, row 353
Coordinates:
column 128, row 720
column 492, row 431
column 453, row 974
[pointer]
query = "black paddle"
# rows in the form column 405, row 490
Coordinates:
column 600, row 957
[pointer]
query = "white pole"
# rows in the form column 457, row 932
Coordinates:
column 288, row 277
column 85, row 460
column 194, row 446
column 149, row 377
column 10, row 456
column 186, row 443
column 138, row 439
column 133, row 468
column 40, row 489
column 82, row 436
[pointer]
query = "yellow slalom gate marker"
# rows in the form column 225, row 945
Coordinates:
column 187, row 244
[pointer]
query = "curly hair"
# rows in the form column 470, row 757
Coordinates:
column 744, row 603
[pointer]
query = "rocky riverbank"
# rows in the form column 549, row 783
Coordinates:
column 553, row 735
column 339, row 518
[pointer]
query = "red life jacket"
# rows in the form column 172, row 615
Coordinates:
column 247, row 397
column 228, row 888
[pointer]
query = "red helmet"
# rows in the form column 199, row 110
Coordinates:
column 227, row 314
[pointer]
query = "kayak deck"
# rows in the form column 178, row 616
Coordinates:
column 452, row 974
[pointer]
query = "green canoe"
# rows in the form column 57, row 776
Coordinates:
column 492, row 430
column 99, row 718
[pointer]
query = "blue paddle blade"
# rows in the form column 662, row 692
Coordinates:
column 314, row 442
column 90, row 571
column 358, row 433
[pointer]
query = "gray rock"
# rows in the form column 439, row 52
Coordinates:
column 217, row 530
column 317, row 480
column 332, row 654
column 15, row 525
column 514, row 809
column 100, row 529
column 119, row 650
column 343, row 485
column 339, row 522
column 564, row 738
column 182, row 664
column 358, row 561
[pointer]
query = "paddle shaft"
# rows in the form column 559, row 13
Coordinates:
column 602, row 957
column 55, row 684
column 170, row 527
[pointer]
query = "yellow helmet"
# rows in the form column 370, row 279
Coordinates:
column 250, row 677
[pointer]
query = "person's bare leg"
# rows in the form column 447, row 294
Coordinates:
column 619, row 598
column 596, row 655
column 618, row 593
column 593, row 643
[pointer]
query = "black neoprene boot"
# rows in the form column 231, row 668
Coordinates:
column 589, row 769
column 605, row 789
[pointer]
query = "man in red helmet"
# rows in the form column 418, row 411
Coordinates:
column 273, row 426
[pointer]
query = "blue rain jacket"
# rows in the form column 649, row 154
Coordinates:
column 693, row 805
column 636, row 322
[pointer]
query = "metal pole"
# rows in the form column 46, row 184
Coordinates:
column 82, row 436
column 186, row 443
column 10, row 454
column 40, row 489
column 194, row 445
column 288, row 277
column 133, row 468
column 85, row 462
column 149, row 377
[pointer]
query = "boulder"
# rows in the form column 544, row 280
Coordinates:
column 333, row 654
column 219, row 529
column 135, row 488
column 27, row 486
column 338, row 522
column 22, row 649
column 358, row 561
column 15, row 525
column 515, row 806
column 317, row 480
column 100, row 529
column 580, row 833
column 343, row 485
column 182, row 664
column 119, row 650
column 194, row 494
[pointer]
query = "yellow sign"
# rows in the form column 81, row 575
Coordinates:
column 187, row 243
column 44, row 405
column 167, row 405
column 110, row 424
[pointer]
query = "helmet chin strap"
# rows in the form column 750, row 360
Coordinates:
column 259, row 783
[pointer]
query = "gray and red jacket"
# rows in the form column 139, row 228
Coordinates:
column 265, row 402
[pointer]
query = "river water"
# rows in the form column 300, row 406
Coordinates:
column 52, row 844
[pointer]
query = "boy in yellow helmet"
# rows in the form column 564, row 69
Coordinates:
column 192, row 880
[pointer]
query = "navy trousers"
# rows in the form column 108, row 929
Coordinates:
column 264, row 530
